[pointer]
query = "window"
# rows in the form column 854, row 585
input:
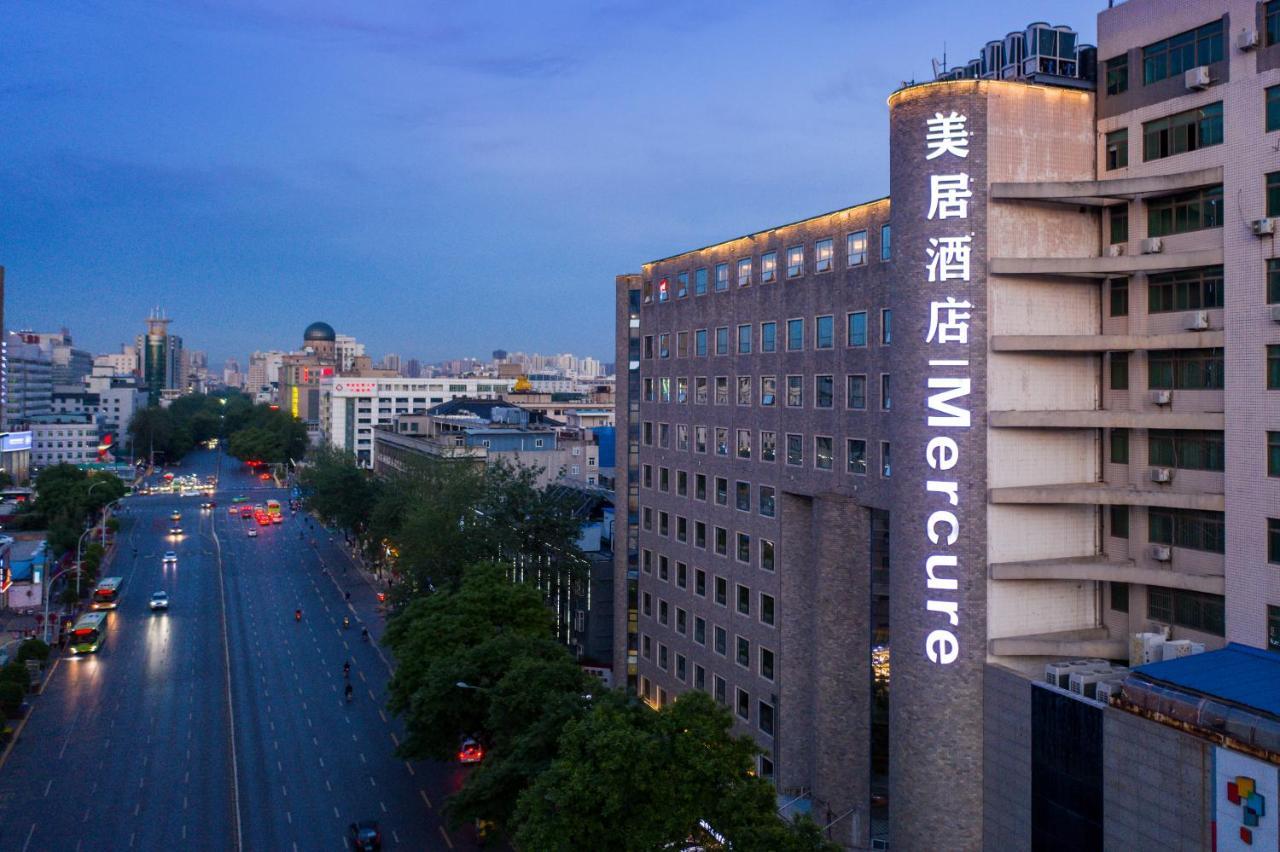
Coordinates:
column 768, row 267
column 856, row 392
column 722, row 541
column 681, row 667
column 824, row 253
column 856, row 244
column 664, row 345
column 795, row 335
column 1173, row 56
column 1118, row 149
column 795, row 449
column 1119, row 596
column 700, row 630
column 1273, row 612
column 722, row 390
column 1273, row 281
column 768, row 337
column 795, row 391
column 700, row 390
column 744, row 600
column 1117, row 74
column 1186, row 211
column 1271, row 14
column 722, row 591
column 722, row 340
column 720, row 690
column 647, row 604
column 824, row 332
column 1119, row 446
column 824, row 389
column 886, row 245
column 1185, row 369
column 699, row 439
column 682, row 573
column 1181, row 132
column 1118, row 288
column 682, row 619
column 648, row 346
column 700, row 535
column 1273, row 367
column 1273, row 453
column 795, row 261
column 722, row 491
column 1119, row 521
column 742, row 492
column 885, row 466
column 1273, row 540
column 766, row 500
column 744, row 390
column 1119, row 363
column 743, row 651
column 682, row 529
column 682, row 389
column 822, row 452
column 682, row 344
column 722, row 441
column 1273, row 194
column 744, row 340
column 765, row 717
column 700, row 343
column 1192, row 610
column 886, row 327
column 1273, row 108
column 856, row 333
column 768, row 446
column 720, row 641
column 857, row 456
column 664, row 611
column 664, row 478
column 744, row 705
column 682, row 285
column 1189, row 528
column 744, row 272
column 886, row 400
column 766, row 609
column 1188, row 449
column 1119, row 219
column 700, row 282
column 768, row 390
column 722, row 277
column 766, row 663
column 700, row 583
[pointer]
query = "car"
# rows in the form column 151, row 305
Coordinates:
column 175, row 515
column 170, row 557
column 175, row 530
column 277, row 519
column 160, row 600
column 246, row 511
column 470, row 751
column 264, row 476
column 365, row 836
column 208, row 505
column 233, row 511
column 253, row 532
column 240, row 499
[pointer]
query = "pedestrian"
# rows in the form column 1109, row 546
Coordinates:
column 348, row 597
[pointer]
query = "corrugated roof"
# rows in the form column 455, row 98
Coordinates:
column 1237, row 673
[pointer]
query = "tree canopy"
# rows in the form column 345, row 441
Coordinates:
column 66, row 498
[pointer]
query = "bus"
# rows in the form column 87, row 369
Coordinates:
column 273, row 511
column 107, row 594
column 87, row 635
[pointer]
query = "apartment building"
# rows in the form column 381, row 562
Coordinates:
column 1016, row 412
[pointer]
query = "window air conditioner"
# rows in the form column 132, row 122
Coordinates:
column 1247, row 39
column 1116, row 250
column 1152, row 245
column 1161, row 552
column 1196, row 321
column 1162, row 397
column 1162, row 474
column 1275, row 313
column 1197, row 78
column 1263, row 227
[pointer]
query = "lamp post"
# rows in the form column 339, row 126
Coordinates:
column 106, row 513
column 49, row 594
column 79, row 542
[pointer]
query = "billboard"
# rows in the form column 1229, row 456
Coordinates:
column 1244, row 802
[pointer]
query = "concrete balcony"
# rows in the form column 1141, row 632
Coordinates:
column 1103, row 266
column 1102, row 419
column 1092, row 343
column 1102, row 494
column 1087, row 642
column 1100, row 569
column 1101, row 193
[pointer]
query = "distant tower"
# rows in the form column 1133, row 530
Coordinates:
column 161, row 355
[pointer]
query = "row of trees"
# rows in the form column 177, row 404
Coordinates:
column 258, row 431
column 67, row 499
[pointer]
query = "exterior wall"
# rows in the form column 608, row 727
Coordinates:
column 70, row 443
column 1006, row 754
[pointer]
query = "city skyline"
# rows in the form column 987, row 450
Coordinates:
column 212, row 173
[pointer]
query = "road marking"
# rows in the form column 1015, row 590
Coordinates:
column 140, row 780
column 231, row 716
column 29, row 836
column 279, row 766
column 383, row 805
column 336, row 813
column 423, row 794
column 184, row 803
column 395, row 740
column 322, row 763
column 362, row 677
column 186, row 777
column 327, row 786
column 184, row 831
column 445, row 836
column 395, row 836
column 289, row 816
column 63, row 750
column 47, row 787
column 372, row 783
column 86, row 815
column 137, row 809
column 276, row 744
column 284, row 790
column 132, row 836
column 383, row 715
column 362, row 760
column 372, row 697
column 409, row 767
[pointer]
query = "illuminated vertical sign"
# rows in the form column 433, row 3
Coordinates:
column 947, row 399
column 293, row 400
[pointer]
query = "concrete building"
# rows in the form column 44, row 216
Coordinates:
column 68, row 364
column 28, row 381
column 64, row 439
column 301, row 372
column 264, row 372
column 1008, row 415
column 122, row 363
column 160, row 359
column 346, row 350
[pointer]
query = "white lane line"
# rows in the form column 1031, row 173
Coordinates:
column 372, row 783
column 409, row 767
column 288, row 815
column 395, row 836
column 47, row 787
column 137, row 809
column 336, row 812
column 322, row 763
column 362, row 677
column 372, row 697
column 383, row 805
column 362, row 760
column 445, row 836
column 423, row 794
column 184, row 831
column 231, row 716
column 132, row 836
column 284, row 790
column 86, row 815
column 30, row 834
column 382, row 715
column 328, row 786
column 395, row 740
column 279, row 766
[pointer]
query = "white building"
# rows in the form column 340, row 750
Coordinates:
column 28, row 381
column 264, row 372
column 122, row 363
column 346, row 350
column 119, row 398
column 350, row 408
column 74, row 441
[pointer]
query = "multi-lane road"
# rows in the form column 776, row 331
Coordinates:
column 222, row 724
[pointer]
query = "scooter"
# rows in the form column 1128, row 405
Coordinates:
column 346, row 622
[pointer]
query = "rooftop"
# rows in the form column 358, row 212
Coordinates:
column 1237, row 674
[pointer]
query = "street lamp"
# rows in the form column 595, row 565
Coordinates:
column 79, row 542
column 106, row 513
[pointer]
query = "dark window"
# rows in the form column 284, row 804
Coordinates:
column 1273, row 540
column 1184, row 212
column 1271, row 18
column 1118, row 149
column 822, row 453
column 886, row 243
column 767, row 501
column 1185, row 369
column 766, row 664
column 1189, row 528
column 722, row 591
column 795, row 449
column 857, row 330
column 1119, row 291
column 722, row 340
column 743, row 651
column 744, row 705
column 1119, row 446
column 1185, row 290
column 857, row 449
column 768, row 337
column 1273, row 454
column 1273, row 108
column 766, row 718
column 1273, row 367
column 824, row 332
column 1182, row 132
column 742, row 496
column 1119, row 370
column 1119, row 218
column 1192, row 610
column 700, row 583
column 1188, row 449
column 795, row 335
column 1175, row 55
column 744, row 600
column 1118, row 74
column 1120, row 597
column 744, row 340
column 1273, row 193
column 700, row 343
column 1120, row 521
column 824, row 391
column 886, row 398
column 1273, row 616
column 856, row 392
column 1273, row 281
column 700, row 282
column 766, row 609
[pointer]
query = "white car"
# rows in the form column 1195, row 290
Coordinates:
column 170, row 557
column 253, row 532
column 160, row 600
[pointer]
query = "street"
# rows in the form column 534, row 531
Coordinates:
column 222, row 724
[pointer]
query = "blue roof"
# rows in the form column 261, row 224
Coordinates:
column 1237, row 673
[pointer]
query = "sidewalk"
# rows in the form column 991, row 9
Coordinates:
column 349, row 575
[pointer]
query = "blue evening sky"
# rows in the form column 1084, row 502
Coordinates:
column 438, row 179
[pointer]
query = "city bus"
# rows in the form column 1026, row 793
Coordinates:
column 87, row 635
column 107, row 594
column 273, row 511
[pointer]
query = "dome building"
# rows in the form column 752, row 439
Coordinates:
column 319, row 337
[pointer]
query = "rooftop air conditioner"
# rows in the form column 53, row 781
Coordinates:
column 1176, row 648
column 1152, row 245
column 1109, row 688
column 1146, row 648
column 1162, row 553
column 1059, row 674
column 1275, row 313
column 1263, row 227
column 1162, row 474
column 1197, row 78
column 1247, row 39
column 1162, row 397
column 1086, row 683
column 1196, row 321
column 1116, row 250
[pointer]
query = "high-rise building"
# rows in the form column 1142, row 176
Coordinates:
column 301, row 372
column 264, row 371
column 231, row 375
column 28, row 381
column 346, row 350
column 391, row 361
column 412, row 368
column 123, row 363
column 69, row 364
column 1007, row 416
column 160, row 357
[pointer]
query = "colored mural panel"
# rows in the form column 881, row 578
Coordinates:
column 1245, row 791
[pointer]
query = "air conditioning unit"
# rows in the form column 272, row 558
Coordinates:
column 1197, row 78
column 1146, row 648
column 1086, row 683
column 1116, row 250
column 1161, row 553
column 1196, row 321
column 1162, row 474
column 1059, row 674
column 1275, row 313
column 1162, row 397
column 1263, row 227
column 1247, row 39
column 1175, row 648
column 1109, row 688
column 1152, row 245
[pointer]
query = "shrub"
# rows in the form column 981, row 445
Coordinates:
column 16, row 673
column 10, row 699
column 33, row 649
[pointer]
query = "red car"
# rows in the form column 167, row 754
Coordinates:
column 470, row 752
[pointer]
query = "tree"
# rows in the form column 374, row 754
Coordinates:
column 16, row 672
column 33, row 649
column 340, row 492
column 11, row 696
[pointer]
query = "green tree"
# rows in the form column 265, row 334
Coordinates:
column 33, row 649
column 340, row 492
column 11, row 696
column 16, row 672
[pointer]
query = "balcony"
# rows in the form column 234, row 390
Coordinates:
column 1104, row 266
column 1104, row 494
column 1101, row 193
column 1086, row 642
column 1091, row 343
column 1101, row 569
column 1100, row 419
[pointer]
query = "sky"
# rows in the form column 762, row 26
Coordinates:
column 438, row 179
